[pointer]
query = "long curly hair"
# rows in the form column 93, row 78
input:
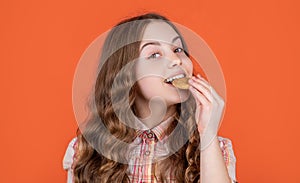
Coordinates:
column 101, row 143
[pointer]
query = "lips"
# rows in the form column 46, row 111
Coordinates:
column 170, row 79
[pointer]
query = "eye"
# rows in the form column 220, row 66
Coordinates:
column 178, row 50
column 154, row 55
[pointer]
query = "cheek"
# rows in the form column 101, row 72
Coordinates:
column 188, row 65
column 149, row 86
column 148, row 68
column 143, row 85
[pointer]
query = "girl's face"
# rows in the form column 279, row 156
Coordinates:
column 161, row 57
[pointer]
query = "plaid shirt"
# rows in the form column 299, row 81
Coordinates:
column 148, row 146
column 146, row 149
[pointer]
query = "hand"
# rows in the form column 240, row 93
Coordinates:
column 209, row 109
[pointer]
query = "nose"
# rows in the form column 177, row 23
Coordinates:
column 174, row 60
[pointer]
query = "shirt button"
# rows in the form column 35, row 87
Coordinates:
column 137, row 141
column 147, row 153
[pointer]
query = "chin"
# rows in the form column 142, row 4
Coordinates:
column 182, row 97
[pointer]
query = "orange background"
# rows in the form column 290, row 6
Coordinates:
column 256, row 43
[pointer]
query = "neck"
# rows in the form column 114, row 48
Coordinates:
column 153, row 112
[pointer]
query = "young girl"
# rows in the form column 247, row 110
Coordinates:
column 143, row 128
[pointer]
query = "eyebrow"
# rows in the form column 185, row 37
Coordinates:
column 157, row 43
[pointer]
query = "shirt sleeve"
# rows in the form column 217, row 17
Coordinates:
column 68, row 160
column 229, row 157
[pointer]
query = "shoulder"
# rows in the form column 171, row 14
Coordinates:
column 69, row 154
column 227, row 149
column 229, row 156
column 225, row 142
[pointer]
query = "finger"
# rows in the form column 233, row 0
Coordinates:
column 205, row 85
column 208, row 87
column 198, row 96
column 202, row 81
column 202, row 78
column 211, row 89
column 202, row 89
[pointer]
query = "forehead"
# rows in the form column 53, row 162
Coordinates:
column 159, row 31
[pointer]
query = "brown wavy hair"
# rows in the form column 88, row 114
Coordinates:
column 101, row 144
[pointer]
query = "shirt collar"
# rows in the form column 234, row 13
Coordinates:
column 160, row 130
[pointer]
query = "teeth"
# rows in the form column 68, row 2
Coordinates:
column 175, row 77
